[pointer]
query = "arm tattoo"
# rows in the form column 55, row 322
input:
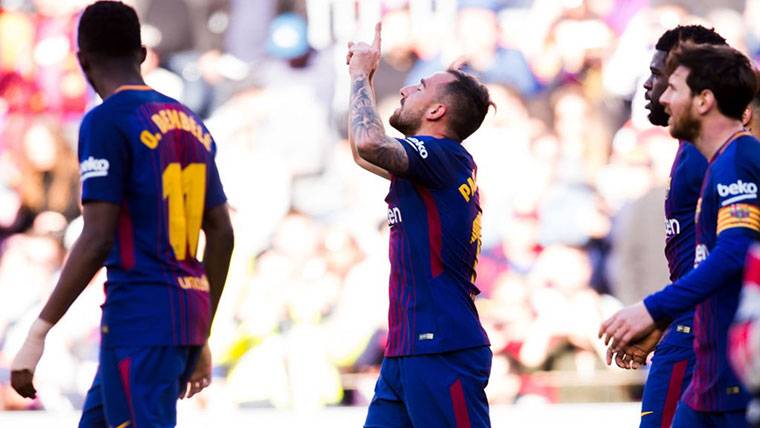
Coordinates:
column 368, row 133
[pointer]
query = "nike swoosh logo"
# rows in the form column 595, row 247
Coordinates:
column 124, row 425
column 646, row 413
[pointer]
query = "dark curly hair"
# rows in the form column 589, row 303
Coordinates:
column 109, row 29
column 693, row 33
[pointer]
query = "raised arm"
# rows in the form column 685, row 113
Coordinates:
column 372, row 148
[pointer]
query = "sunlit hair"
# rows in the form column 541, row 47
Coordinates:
column 469, row 104
column 722, row 70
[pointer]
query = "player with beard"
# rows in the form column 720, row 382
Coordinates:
column 709, row 88
column 672, row 366
column 437, row 356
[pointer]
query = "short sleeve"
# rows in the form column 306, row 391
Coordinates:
column 103, row 160
column 738, row 204
column 214, row 191
column 431, row 163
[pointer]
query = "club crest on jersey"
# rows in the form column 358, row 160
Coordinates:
column 418, row 146
column 92, row 167
column 394, row 216
column 700, row 254
column 738, row 191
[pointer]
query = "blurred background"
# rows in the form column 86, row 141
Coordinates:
column 572, row 180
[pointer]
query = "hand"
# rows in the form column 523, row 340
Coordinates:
column 21, row 381
column 625, row 326
column 635, row 354
column 363, row 59
column 201, row 377
column 27, row 358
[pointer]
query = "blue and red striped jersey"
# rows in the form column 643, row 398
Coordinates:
column 434, row 216
column 154, row 158
column 684, row 185
column 727, row 222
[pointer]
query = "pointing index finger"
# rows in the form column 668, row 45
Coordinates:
column 378, row 30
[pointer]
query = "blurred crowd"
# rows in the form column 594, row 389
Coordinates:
column 572, row 180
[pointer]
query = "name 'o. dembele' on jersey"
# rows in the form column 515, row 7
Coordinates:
column 154, row 158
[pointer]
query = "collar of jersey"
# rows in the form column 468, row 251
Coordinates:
column 736, row 135
column 132, row 88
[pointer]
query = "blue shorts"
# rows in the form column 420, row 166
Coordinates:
column 436, row 390
column 669, row 375
column 138, row 386
column 686, row 417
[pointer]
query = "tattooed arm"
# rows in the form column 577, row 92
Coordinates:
column 373, row 150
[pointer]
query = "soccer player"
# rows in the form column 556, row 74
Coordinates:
column 437, row 357
column 673, row 362
column 149, row 185
column 709, row 87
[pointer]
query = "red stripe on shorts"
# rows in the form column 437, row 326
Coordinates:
column 460, row 406
column 124, row 367
column 674, row 393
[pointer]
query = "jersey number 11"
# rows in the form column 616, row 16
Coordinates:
column 186, row 190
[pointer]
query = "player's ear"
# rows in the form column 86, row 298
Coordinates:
column 747, row 115
column 705, row 101
column 142, row 55
column 436, row 112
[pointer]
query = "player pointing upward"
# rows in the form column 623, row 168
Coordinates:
column 149, row 185
column 437, row 354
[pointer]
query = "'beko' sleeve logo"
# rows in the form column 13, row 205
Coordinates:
column 418, row 146
column 738, row 191
column 93, row 168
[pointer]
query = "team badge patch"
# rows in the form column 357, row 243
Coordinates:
column 738, row 215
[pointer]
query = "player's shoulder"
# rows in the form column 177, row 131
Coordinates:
column 97, row 116
column 746, row 150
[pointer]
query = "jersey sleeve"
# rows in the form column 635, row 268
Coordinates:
column 738, row 225
column 430, row 164
column 738, row 204
column 214, row 191
column 103, row 160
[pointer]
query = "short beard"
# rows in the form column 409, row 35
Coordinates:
column 657, row 115
column 686, row 128
column 405, row 126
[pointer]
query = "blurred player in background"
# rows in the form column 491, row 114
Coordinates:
column 149, row 185
column 437, row 358
column 744, row 336
column 673, row 362
column 709, row 88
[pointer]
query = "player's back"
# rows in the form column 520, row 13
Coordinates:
column 154, row 158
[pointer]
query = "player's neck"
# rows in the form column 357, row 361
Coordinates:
column 714, row 133
column 432, row 130
column 106, row 86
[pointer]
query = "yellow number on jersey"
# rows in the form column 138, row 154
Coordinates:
column 186, row 191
